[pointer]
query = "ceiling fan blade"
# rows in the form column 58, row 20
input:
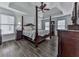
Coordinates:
column 44, row 5
column 46, row 9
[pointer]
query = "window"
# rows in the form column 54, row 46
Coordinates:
column 7, row 24
column 61, row 24
column 46, row 25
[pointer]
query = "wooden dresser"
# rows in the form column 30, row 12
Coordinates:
column 68, row 43
column 73, row 27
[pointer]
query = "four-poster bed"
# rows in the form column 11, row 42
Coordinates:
column 36, row 36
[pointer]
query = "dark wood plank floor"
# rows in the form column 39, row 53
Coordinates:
column 24, row 48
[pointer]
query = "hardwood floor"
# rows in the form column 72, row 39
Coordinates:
column 24, row 48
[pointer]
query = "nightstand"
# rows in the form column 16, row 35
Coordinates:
column 18, row 34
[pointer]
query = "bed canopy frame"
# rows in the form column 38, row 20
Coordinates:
column 37, row 40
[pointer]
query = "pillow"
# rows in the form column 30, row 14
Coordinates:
column 27, row 28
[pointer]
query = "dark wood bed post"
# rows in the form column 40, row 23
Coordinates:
column 22, row 26
column 50, row 28
column 36, row 34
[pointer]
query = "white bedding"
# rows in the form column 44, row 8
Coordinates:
column 31, row 33
column 42, row 32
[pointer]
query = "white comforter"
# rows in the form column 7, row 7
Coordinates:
column 31, row 33
column 42, row 32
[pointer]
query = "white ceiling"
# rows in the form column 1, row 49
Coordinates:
column 5, row 5
column 29, row 7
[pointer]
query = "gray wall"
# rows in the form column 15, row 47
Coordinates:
column 28, row 19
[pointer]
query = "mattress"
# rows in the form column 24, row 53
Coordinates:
column 31, row 33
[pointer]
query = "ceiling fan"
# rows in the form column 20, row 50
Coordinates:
column 43, row 7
